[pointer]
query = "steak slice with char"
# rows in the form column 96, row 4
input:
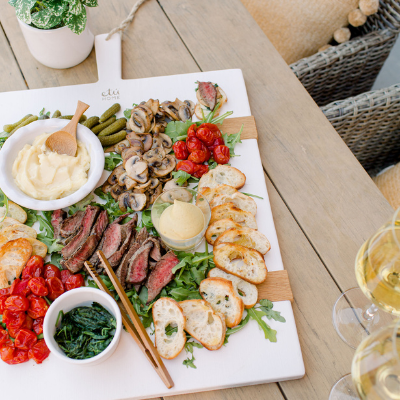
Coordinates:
column 208, row 94
column 72, row 224
column 155, row 253
column 56, row 220
column 161, row 275
column 142, row 236
column 139, row 263
column 91, row 213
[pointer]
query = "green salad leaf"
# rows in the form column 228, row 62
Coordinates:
column 46, row 234
column 232, row 140
column 231, row 331
column 266, row 306
column 177, row 130
column 110, row 205
column 257, row 315
column 111, row 161
column 189, row 362
column 81, row 205
column 181, row 177
column 32, row 216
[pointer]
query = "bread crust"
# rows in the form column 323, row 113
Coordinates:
column 229, row 210
column 219, row 226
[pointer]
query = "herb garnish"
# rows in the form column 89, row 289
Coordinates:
column 253, row 195
column 111, row 161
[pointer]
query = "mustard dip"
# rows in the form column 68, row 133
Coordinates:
column 181, row 221
column 46, row 175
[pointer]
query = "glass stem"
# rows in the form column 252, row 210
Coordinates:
column 370, row 313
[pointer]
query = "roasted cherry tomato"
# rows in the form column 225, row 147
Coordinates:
column 213, row 128
column 14, row 286
column 28, row 324
column 38, row 325
column 55, row 287
column 3, row 303
column 221, row 154
column 16, row 303
column 7, row 351
column 39, row 352
column 3, row 337
column 193, row 144
column 205, row 135
column 22, row 288
column 38, row 286
column 25, row 339
column 13, row 319
column 208, row 153
column 198, row 156
column 74, row 282
column 200, row 170
column 51, row 270
column 20, row 356
column 37, row 307
column 192, row 131
column 180, row 150
column 5, row 292
column 187, row 166
column 34, row 267
column 217, row 142
column 65, row 274
column 13, row 331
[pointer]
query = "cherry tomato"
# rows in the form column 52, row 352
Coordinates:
column 13, row 331
column 198, row 156
column 193, row 144
column 217, row 142
column 5, row 292
column 208, row 153
column 212, row 127
column 74, row 282
column 187, row 166
column 38, row 286
column 221, row 154
column 16, row 303
column 25, row 339
column 55, row 287
column 205, row 135
column 180, row 150
column 200, row 170
column 22, row 288
column 38, row 325
column 192, row 131
column 20, row 356
column 39, row 352
column 13, row 319
column 3, row 303
column 3, row 337
column 7, row 351
column 14, row 285
column 34, row 267
column 51, row 270
column 65, row 274
column 38, row 307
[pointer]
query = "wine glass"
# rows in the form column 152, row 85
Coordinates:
column 375, row 371
column 356, row 313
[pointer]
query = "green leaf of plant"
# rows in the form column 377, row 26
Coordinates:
column 175, row 129
column 75, row 7
column 23, row 10
column 90, row 3
column 231, row 331
column 232, row 140
column 46, row 19
column 76, row 23
column 257, row 315
column 181, row 177
column 81, row 205
column 58, row 7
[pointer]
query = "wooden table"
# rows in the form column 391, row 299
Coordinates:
column 324, row 203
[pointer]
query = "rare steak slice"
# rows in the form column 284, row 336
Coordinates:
column 91, row 213
column 139, row 264
column 155, row 253
column 161, row 275
column 72, row 224
column 208, row 94
column 56, row 221
column 142, row 236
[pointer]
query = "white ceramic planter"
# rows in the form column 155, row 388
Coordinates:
column 58, row 48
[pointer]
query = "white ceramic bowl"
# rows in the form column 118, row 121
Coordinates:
column 83, row 296
column 27, row 134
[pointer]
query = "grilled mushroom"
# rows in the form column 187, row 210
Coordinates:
column 106, row 188
column 135, row 201
column 166, row 140
column 123, row 144
column 136, row 124
column 146, row 139
column 153, row 105
column 143, row 112
column 170, row 110
column 116, row 191
column 167, row 166
column 184, row 113
column 173, row 185
column 155, row 154
column 142, row 188
column 137, row 169
column 154, row 183
column 113, row 178
column 165, row 178
column 125, row 180
column 179, row 194
column 155, row 194
column 159, row 127
column 191, row 105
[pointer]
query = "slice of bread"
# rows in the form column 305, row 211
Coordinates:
column 222, row 175
column 8, row 221
column 167, row 312
column 228, row 210
column 14, row 211
column 218, row 228
column 246, row 237
column 210, row 193
column 241, row 261
column 240, row 200
column 203, row 323
column 245, row 290
column 223, row 299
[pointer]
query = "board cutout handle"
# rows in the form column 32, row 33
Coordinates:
column 108, row 56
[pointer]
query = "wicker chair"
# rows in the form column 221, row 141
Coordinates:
column 351, row 68
column 370, row 126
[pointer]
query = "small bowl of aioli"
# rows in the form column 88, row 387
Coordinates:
column 181, row 217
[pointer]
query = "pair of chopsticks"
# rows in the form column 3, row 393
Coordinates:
column 135, row 328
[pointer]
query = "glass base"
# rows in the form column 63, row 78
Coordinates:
column 344, row 389
column 355, row 317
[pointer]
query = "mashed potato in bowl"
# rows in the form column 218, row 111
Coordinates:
column 46, row 175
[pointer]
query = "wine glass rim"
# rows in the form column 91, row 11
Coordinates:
column 396, row 348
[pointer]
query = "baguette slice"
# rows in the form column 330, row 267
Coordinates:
column 218, row 228
column 8, row 221
column 223, row 299
column 222, row 175
column 228, row 210
column 210, row 193
column 205, row 325
column 245, row 290
column 166, row 312
column 17, row 231
column 38, row 247
column 14, row 211
column 246, row 237
column 241, row 261
column 240, row 200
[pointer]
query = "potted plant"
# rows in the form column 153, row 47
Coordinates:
column 56, row 31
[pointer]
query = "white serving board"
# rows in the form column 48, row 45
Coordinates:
column 249, row 358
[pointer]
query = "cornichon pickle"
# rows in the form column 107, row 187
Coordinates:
column 8, row 128
column 91, row 122
column 110, row 112
column 24, row 123
column 113, row 128
column 56, row 114
column 98, row 128
column 112, row 139
column 81, row 119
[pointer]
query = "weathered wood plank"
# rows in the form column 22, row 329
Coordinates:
column 233, row 125
column 276, row 287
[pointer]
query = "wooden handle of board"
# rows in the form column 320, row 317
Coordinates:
column 276, row 287
column 233, row 125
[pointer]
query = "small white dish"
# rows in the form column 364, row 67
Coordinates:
column 83, row 296
column 27, row 135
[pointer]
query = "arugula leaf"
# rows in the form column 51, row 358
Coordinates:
column 169, row 330
column 180, row 294
column 189, row 362
column 81, row 205
column 232, row 140
column 212, row 164
column 176, row 129
column 32, row 216
column 111, row 161
column 266, row 306
column 257, row 315
column 46, row 234
column 181, row 177
column 110, row 205
column 231, row 331
column 55, row 259
column 253, row 195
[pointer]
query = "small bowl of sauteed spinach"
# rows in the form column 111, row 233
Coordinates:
column 83, row 326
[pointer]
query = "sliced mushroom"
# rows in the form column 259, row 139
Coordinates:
column 137, row 169
column 145, row 139
column 154, row 183
column 184, row 113
column 106, row 188
column 145, row 114
column 167, row 165
column 136, row 123
column 113, row 178
column 177, row 194
column 142, row 188
column 153, row 105
column 125, row 180
column 135, row 201
column 123, row 201
column 166, row 140
column 155, row 194
column 123, row 144
column 157, row 141
column 159, row 127
column 165, row 178
column 191, row 105
column 147, row 142
column 171, row 184
column 170, row 110
column 130, row 152
column 116, row 191
column 154, row 154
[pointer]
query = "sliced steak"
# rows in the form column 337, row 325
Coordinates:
column 142, row 235
column 155, row 253
column 161, row 275
column 56, row 221
column 72, row 224
column 139, row 264
column 91, row 213
column 208, row 94
column 100, row 225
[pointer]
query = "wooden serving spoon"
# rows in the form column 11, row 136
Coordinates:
column 64, row 141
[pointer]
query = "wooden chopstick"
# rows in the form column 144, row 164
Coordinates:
column 136, row 329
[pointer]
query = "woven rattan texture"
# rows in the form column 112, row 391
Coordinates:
column 370, row 126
